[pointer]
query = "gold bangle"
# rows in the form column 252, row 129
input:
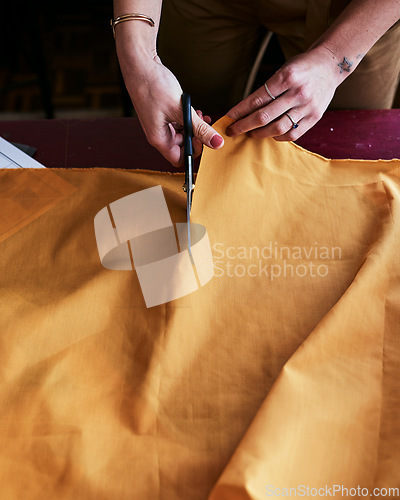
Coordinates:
column 131, row 17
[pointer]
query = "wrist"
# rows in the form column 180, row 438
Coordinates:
column 134, row 51
column 338, row 64
column 135, row 41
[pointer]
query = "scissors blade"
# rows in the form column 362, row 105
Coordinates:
column 188, row 156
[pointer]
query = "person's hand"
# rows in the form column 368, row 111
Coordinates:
column 156, row 96
column 303, row 88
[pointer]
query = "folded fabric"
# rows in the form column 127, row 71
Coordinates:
column 283, row 370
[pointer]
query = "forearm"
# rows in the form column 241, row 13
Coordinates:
column 355, row 31
column 136, row 40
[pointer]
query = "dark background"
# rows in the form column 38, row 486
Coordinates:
column 58, row 60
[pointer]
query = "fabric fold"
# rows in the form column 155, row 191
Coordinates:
column 282, row 370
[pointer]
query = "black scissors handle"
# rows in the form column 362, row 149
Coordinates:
column 188, row 146
column 187, row 124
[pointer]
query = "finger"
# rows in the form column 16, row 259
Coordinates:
column 205, row 133
column 175, row 126
column 258, row 99
column 206, row 118
column 197, row 147
column 293, row 134
column 258, row 119
column 175, row 135
column 174, row 155
column 169, row 143
column 197, row 144
column 252, row 103
column 278, row 127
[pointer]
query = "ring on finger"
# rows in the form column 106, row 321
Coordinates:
column 268, row 91
column 294, row 124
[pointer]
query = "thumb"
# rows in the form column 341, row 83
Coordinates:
column 205, row 133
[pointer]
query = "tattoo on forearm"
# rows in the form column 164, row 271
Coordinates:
column 345, row 65
column 360, row 56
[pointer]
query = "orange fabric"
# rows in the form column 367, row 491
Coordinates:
column 253, row 380
column 328, row 347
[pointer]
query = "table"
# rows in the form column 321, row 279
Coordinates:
column 104, row 398
column 121, row 143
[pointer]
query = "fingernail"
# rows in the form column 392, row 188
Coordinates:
column 216, row 141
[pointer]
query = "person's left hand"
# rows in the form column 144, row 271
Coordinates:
column 303, row 87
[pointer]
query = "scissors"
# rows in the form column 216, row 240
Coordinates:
column 188, row 186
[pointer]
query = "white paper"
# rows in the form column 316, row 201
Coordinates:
column 12, row 157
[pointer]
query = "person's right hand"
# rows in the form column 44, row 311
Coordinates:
column 156, row 96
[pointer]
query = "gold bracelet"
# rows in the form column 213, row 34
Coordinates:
column 131, row 17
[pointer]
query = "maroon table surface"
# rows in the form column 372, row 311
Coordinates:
column 121, row 143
